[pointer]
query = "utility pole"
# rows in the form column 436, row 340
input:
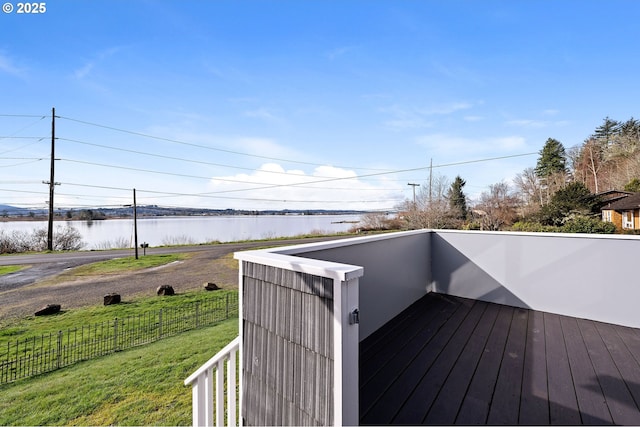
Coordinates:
column 430, row 180
column 135, row 223
column 414, row 193
column 52, row 182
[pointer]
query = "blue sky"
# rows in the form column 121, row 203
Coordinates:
column 300, row 104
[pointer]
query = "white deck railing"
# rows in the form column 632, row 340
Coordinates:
column 205, row 394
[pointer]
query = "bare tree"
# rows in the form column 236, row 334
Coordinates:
column 432, row 208
column 497, row 207
column 530, row 190
column 593, row 161
column 374, row 221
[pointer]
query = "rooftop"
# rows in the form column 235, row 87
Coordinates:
column 443, row 327
column 452, row 360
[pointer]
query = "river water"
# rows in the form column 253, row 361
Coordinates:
column 156, row 231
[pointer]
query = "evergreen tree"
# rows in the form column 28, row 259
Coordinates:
column 633, row 185
column 607, row 130
column 553, row 159
column 631, row 129
column 575, row 198
column 457, row 199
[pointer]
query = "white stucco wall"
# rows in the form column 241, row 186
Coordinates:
column 585, row 276
column 396, row 272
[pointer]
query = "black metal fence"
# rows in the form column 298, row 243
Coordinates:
column 32, row 356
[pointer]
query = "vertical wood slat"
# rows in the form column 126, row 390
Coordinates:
column 287, row 319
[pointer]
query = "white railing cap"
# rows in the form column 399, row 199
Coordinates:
column 233, row 345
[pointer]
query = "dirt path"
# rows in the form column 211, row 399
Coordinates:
column 192, row 273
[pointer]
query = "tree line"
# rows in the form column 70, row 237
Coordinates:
column 561, row 193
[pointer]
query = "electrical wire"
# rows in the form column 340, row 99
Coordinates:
column 205, row 147
column 309, row 181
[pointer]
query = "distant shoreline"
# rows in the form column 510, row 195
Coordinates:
column 39, row 218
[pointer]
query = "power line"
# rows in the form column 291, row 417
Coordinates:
column 25, row 115
column 296, row 184
column 214, row 196
column 308, row 182
column 126, row 150
column 205, row 147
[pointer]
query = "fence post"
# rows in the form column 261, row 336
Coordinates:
column 227, row 316
column 160, row 324
column 197, row 314
column 115, row 334
column 59, row 361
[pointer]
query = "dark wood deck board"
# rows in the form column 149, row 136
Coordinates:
column 444, row 409
column 477, row 401
column 425, row 392
column 475, row 363
column 534, row 402
column 418, row 359
column 563, row 404
column 505, row 405
column 625, row 362
column 402, row 333
column 621, row 405
column 591, row 400
column 377, row 342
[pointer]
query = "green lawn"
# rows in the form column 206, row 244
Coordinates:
column 119, row 265
column 6, row 269
column 141, row 386
column 32, row 326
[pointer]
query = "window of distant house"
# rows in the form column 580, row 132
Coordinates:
column 606, row 216
column 627, row 219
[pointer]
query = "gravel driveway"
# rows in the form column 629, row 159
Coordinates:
column 25, row 292
column 204, row 266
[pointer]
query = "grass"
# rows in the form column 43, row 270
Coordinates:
column 6, row 269
column 18, row 329
column 142, row 386
column 114, row 266
column 127, row 264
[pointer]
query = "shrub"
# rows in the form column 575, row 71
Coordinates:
column 534, row 227
column 65, row 238
column 584, row 224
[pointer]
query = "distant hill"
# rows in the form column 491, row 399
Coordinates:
column 153, row 210
column 12, row 210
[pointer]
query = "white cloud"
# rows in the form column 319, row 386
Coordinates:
column 266, row 147
column 527, row 123
column 326, row 187
column 403, row 118
column 8, row 66
column 340, row 51
column 535, row 124
column 249, row 145
column 450, row 146
column 445, row 109
column 87, row 68
column 265, row 114
column 83, row 71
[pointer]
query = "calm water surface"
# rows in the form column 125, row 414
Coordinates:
column 185, row 230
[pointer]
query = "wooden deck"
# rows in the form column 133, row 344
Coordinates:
column 449, row 360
